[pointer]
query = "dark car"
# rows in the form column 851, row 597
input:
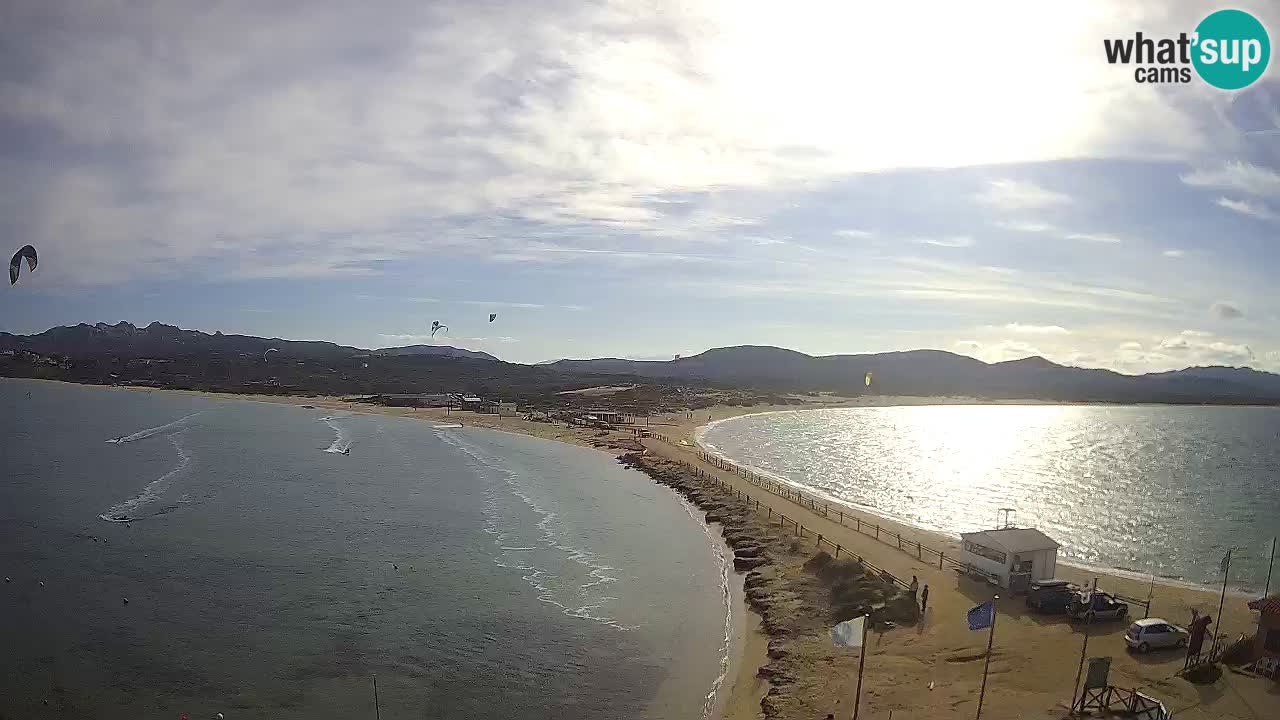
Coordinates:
column 1096, row 605
column 1050, row 596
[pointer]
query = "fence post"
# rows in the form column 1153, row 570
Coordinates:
column 841, row 516
column 919, row 551
column 899, row 542
column 941, row 554
column 877, row 531
column 859, row 523
column 819, row 540
column 837, row 551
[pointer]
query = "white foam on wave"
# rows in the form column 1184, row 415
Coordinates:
column 157, row 430
column 342, row 438
column 726, row 594
column 579, row 601
column 128, row 510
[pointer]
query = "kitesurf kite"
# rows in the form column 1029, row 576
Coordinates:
column 26, row 251
column 493, row 316
column 435, row 326
column 868, row 379
column 268, row 352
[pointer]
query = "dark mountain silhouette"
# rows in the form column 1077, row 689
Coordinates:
column 935, row 372
column 442, row 350
column 166, row 355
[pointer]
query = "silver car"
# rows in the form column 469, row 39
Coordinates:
column 1150, row 633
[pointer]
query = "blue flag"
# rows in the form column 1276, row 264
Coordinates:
column 982, row 616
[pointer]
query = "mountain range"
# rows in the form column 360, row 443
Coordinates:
column 766, row 368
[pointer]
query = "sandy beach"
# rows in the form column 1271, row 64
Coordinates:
column 932, row 670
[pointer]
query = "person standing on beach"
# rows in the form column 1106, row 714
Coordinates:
column 924, row 599
column 915, row 586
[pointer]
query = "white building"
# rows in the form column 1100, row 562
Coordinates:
column 1013, row 557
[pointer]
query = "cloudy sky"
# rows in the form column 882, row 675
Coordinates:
column 642, row 179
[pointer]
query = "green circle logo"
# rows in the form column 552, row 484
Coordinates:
column 1232, row 49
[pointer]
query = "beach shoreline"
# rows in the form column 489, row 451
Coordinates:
column 741, row 690
column 1043, row 650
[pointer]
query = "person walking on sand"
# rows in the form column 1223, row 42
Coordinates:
column 924, row 599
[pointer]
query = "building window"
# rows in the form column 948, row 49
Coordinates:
column 986, row 552
column 1272, row 643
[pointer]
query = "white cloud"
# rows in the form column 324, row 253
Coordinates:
column 968, row 346
column 1036, row 329
column 1093, row 237
column 1244, row 207
column 1019, row 195
column 958, row 241
column 1174, row 253
column 1029, row 226
column 855, row 234
column 1200, row 348
column 1008, row 350
column 1226, row 311
column 1240, row 176
column 350, row 136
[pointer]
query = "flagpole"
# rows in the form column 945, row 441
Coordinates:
column 862, row 657
column 1084, row 648
column 1226, row 570
column 990, row 641
column 377, row 712
column 1270, row 565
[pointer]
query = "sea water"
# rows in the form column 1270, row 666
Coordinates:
column 1151, row 489
column 474, row 573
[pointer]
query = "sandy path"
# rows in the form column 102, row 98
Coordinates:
column 1035, row 660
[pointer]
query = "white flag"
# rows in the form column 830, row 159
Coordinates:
column 849, row 633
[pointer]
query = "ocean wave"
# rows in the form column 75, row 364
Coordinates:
column 132, row 509
column 726, row 593
column 152, row 431
column 581, row 600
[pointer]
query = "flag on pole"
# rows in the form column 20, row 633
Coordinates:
column 848, row 634
column 982, row 616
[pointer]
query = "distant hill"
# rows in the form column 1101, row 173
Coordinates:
column 160, row 340
column 441, row 350
column 935, row 372
column 168, row 355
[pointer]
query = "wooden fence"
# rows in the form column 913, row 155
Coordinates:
column 787, row 524
column 854, row 521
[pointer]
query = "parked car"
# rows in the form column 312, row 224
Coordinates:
column 1050, row 596
column 1151, row 633
column 1097, row 606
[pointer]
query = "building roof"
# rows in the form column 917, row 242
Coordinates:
column 1269, row 605
column 1013, row 539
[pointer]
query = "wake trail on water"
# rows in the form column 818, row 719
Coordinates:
column 342, row 437
column 157, row 430
column 133, row 508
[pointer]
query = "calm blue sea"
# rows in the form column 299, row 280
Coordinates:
column 477, row 574
column 1162, row 490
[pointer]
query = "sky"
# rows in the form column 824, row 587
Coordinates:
column 642, row 179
